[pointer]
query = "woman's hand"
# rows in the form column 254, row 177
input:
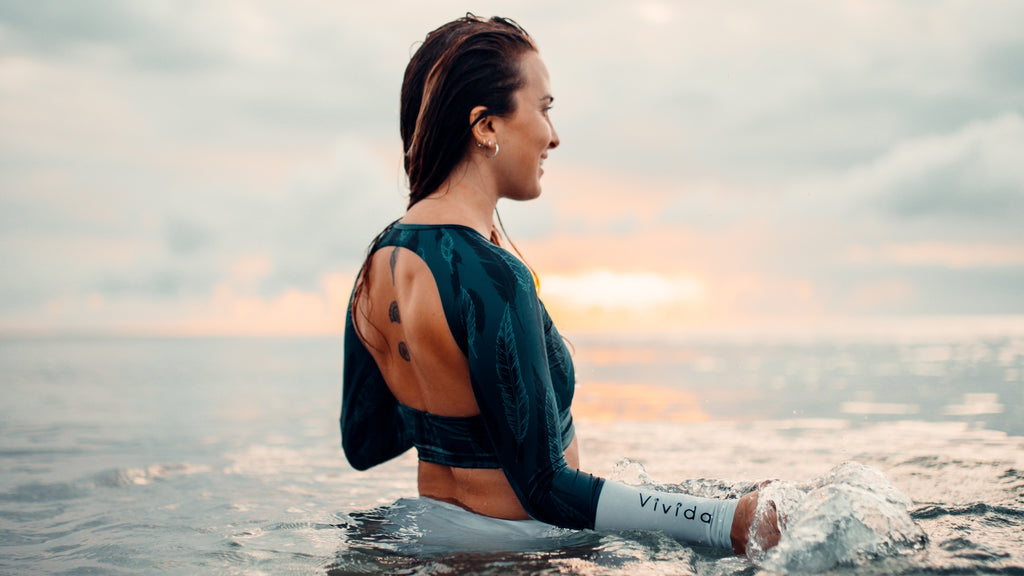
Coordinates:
column 767, row 529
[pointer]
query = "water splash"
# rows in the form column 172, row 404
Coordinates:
column 632, row 472
column 845, row 517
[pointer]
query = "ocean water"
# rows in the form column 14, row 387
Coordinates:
column 222, row 456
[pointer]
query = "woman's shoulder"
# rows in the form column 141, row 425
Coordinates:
column 431, row 236
column 447, row 240
column 462, row 252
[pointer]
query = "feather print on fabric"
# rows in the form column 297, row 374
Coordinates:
column 404, row 237
column 558, row 362
column 495, row 269
column 563, row 375
column 510, row 379
column 551, row 420
column 523, row 276
column 447, row 248
column 469, row 317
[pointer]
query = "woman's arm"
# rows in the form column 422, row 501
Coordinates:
column 511, row 381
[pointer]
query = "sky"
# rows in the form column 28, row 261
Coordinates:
column 219, row 166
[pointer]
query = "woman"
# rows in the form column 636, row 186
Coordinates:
column 448, row 347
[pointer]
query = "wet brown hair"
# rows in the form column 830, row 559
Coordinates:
column 468, row 62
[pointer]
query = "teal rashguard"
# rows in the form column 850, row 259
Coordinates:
column 523, row 381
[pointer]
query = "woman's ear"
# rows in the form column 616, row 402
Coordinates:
column 483, row 125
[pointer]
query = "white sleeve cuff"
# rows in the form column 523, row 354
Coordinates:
column 706, row 521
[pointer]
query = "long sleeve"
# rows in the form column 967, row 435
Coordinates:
column 508, row 365
column 372, row 430
column 511, row 374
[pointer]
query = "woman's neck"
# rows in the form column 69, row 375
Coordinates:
column 466, row 197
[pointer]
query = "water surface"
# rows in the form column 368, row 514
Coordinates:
column 185, row 456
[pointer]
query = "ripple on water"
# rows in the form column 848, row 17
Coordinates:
column 121, row 477
column 974, row 536
column 44, row 492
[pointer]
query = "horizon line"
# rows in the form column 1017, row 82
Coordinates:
column 763, row 328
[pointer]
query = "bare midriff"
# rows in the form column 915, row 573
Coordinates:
column 403, row 325
column 481, row 490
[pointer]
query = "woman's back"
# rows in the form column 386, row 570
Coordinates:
column 405, row 328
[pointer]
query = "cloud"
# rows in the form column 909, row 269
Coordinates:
column 973, row 173
column 185, row 236
column 798, row 158
column 962, row 189
column 762, row 92
column 148, row 33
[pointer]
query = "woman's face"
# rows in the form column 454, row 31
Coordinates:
column 526, row 136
